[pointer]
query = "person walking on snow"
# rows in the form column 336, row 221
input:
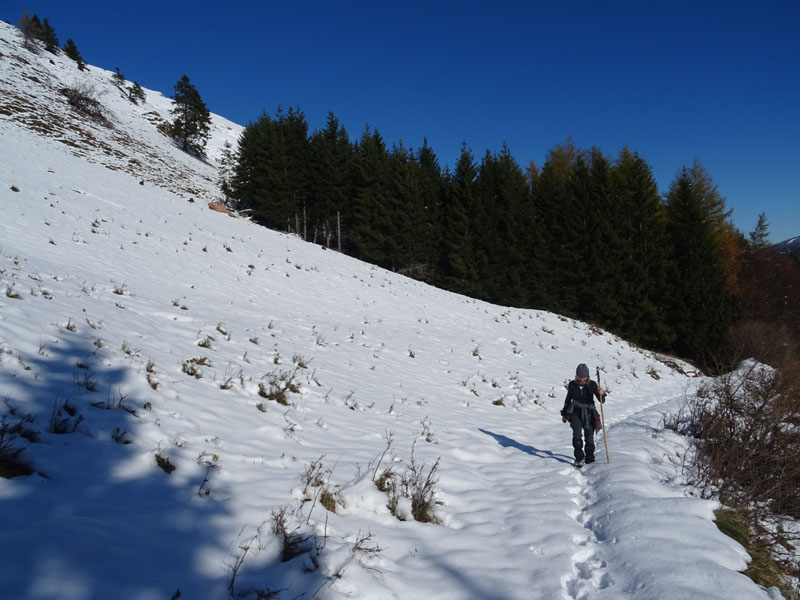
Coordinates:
column 580, row 411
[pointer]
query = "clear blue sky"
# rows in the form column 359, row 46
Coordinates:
column 674, row 80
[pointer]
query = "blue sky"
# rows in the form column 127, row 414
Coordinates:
column 675, row 80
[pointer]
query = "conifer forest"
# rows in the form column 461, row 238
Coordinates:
column 586, row 235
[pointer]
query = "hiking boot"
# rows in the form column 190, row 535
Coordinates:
column 579, row 463
column 589, row 460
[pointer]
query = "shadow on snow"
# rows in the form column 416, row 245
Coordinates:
column 99, row 518
column 507, row 442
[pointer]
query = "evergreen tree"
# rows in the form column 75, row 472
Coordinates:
column 49, row 37
column 330, row 180
column 192, row 118
column 459, row 255
column 406, row 211
column 71, row 50
column 428, row 228
column 252, row 179
column 227, row 164
column 118, row 78
column 271, row 176
column 558, row 219
column 293, row 164
column 642, row 281
column 759, row 237
column 370, row 217
column 136, row 94
column 505, row 235
column 699, row 301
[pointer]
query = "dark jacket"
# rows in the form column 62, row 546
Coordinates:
column 581, row 394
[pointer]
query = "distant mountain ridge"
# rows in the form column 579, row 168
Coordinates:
column 790, row 246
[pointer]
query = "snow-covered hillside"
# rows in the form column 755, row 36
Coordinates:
column 139, row 327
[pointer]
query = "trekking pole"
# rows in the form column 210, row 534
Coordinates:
column 603, row 420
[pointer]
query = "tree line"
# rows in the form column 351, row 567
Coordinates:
column 585, row 235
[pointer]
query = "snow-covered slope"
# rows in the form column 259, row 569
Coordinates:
column 136, row 325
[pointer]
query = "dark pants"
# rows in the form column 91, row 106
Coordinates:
column 582, row 420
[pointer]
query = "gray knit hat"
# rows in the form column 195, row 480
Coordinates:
column 582, row 370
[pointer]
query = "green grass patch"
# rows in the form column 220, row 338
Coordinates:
column 763, row 568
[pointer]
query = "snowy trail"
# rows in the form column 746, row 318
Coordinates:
column 589, row 572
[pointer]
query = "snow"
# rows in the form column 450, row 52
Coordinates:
column 115, row 275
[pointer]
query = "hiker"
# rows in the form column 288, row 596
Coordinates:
column 580, row 411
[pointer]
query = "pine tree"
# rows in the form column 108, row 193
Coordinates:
column 71, row 50
column 49, row 37
column 759, row 237
column 506, row 232
column 558, row 219
column 192, row 119
column 700, row 302
column 459, row 255
column 293, row 163
column 271, row 176
column 136, row 94
column 640, row 226
column 227, row 164
column 428, row 228
column 118, row 78
column 369, row 217
column 331, row 180
column 252, row 179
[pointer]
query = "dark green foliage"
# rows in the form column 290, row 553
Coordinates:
column 759, row 237
column 272, row 175
column 372, row 207
column 49, row 37
column 584, row 236
column 331, row 175
column 506, row 211
column 192, row 118
column 558, row 219
column 638, row 229
column 71, row 50
column 136, row 94
column 118, row 77
column 460, row 262
column 698, row 302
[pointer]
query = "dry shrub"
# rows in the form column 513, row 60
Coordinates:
column 83, row 98
column 770, row 343
column 415, row 482
column 746, row 426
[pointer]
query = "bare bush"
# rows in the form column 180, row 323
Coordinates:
column 293, row 543
column 64, row 418
column 84, row 99
column 11, row 463
column 769, row 343
column 278, row 384
column 746, row 426
column 414, row 482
